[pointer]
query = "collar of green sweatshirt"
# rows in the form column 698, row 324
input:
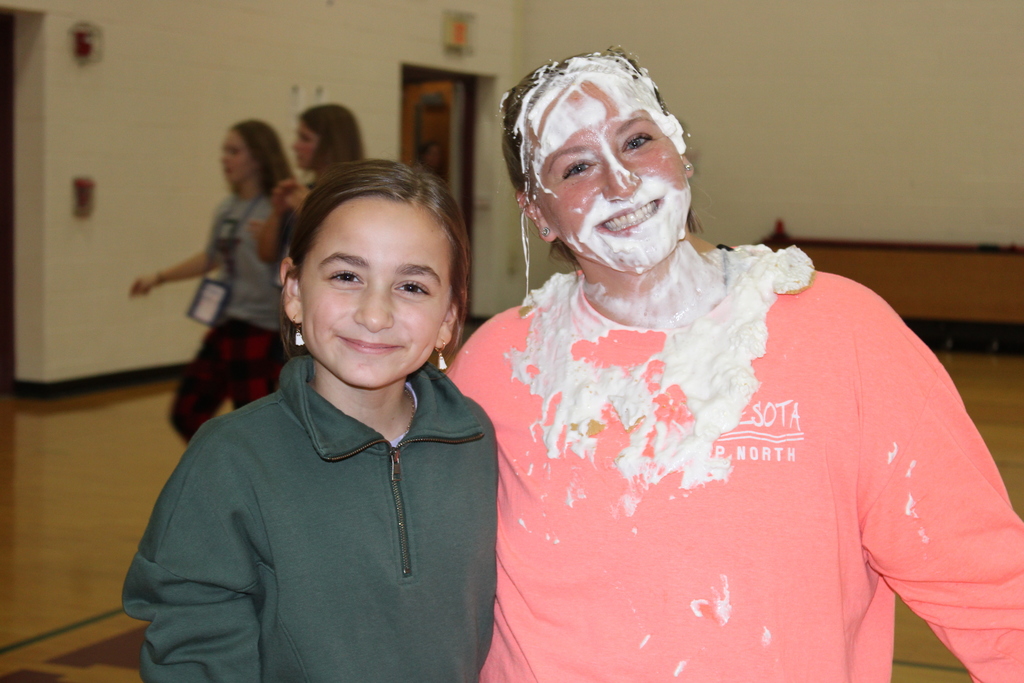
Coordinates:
column 441, row 414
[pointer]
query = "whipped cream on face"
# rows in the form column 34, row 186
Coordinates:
column 632, row 91
column 628, row 233
column 632, row 218
column 710, row 361
column 629, row 245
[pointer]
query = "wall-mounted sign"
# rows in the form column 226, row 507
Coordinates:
column 457, row 31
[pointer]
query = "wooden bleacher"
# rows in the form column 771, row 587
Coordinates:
column 976, row 291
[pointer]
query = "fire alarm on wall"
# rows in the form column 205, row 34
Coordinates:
column 84, row 195
column 86, row 42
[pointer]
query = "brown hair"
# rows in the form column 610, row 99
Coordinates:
column 396, row 182
column 524, row 94
column 265, row 148
column 337, row 134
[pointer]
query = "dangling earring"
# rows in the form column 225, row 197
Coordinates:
column 441, row 365
column 299, row 341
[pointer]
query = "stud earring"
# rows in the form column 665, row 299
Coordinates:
column 544, row 232
column 688, row 167
column 299, row 341
column 441, row 365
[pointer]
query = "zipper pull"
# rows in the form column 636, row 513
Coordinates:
column 396, row 465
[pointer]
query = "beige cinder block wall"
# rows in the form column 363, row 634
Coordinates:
column 146, row 123
column 850, row 120
column 873, row 120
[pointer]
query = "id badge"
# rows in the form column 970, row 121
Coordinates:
column 210, row 301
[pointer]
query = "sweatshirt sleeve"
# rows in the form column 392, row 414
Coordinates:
column 196, row 577
column 938, row 524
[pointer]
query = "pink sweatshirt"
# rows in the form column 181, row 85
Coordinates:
column 856, row 473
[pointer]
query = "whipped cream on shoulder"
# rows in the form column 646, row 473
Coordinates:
column 672, row 403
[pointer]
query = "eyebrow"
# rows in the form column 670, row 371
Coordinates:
column 628, row 124
column 413, row 269
column 405, row 270
column 357, row 261
column 549, row 162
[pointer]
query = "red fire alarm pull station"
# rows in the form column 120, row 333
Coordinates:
column 85, row 190
column 85, row 42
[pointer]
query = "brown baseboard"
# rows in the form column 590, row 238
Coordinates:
column 87, row 385
column 942, row 335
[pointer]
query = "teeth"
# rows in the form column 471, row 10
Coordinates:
column 633, row 218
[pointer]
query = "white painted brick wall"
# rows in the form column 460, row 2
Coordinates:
column 884, row 119
column 146, row 123
column 880, row 119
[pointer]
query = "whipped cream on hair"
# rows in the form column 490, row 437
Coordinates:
column 631, row 89
column 632, row 233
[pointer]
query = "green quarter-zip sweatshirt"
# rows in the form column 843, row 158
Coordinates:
column 293, row 543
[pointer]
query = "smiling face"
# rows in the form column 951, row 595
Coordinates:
column 610, row 179
column 305, row 145
column 373, row 297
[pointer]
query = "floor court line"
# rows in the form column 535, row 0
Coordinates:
column 936, row 667
column 59, row 631
column 109, row 455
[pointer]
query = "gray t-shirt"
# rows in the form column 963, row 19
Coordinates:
column 255, row 296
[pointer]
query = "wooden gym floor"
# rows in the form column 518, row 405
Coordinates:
column 78, row 478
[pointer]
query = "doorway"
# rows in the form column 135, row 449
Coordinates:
column 439, row 127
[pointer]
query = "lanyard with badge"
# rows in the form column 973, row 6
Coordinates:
column 213, row 295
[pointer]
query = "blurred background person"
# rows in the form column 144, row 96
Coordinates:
column 327, row 134
column 241, row 355
column 431, row 157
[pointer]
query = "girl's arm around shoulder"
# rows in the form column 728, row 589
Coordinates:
column 196, row 576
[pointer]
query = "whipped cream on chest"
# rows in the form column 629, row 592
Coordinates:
column 710, row 361
column 690, row 285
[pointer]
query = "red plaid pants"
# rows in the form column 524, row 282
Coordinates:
column 237, row 360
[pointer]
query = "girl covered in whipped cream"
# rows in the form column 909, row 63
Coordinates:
column 716, row 464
